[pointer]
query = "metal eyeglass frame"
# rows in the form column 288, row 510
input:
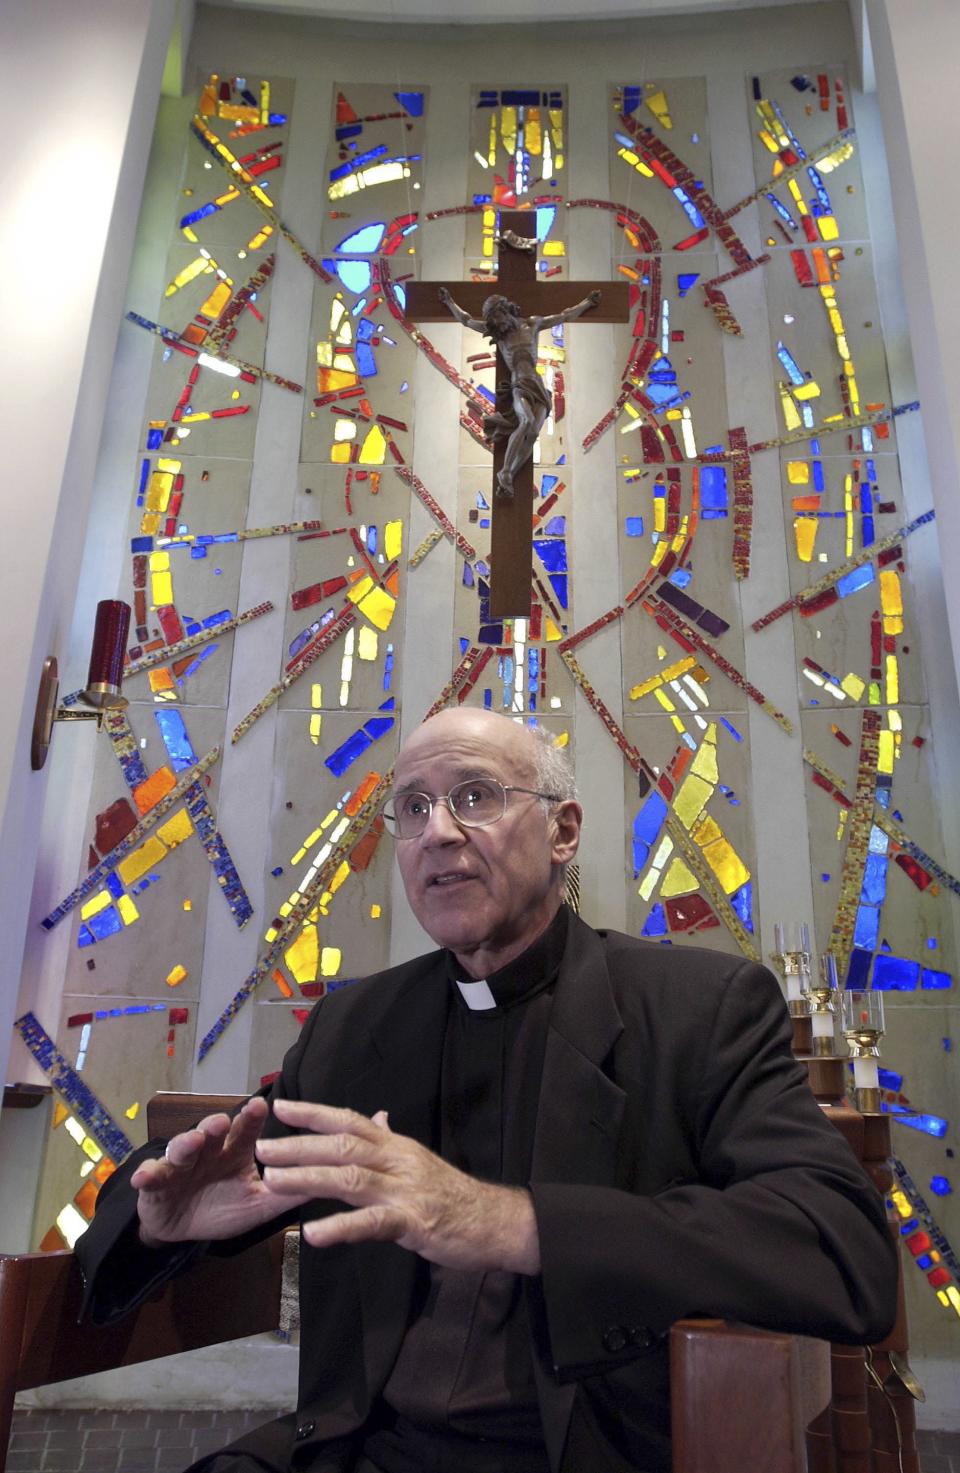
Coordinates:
column 390, row 817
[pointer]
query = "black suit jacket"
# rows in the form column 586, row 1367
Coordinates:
column 680, row 1166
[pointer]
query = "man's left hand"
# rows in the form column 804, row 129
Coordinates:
column 400, row 1191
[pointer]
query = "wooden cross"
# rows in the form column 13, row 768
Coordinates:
column 511, row 533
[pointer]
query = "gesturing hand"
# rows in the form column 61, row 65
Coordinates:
column 207, row 1185
column 401, row 1192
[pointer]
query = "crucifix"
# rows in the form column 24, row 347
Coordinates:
column 517, row 307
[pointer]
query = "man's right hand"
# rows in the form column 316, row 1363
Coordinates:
column 207, row 1184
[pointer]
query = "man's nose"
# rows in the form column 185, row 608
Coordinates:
column 441, row 827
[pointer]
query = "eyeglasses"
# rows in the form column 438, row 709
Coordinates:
column 475, row 803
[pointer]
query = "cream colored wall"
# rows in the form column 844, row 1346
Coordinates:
column 586, row 59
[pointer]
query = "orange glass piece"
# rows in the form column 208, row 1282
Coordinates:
column 52, row 1241
column 157, row 785
column 86, row 1198
column 283, row 986
column 103, row 1169
column 358, row 798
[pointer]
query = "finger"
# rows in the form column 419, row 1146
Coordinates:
column 353, row 1184
column 325, row 1119
column 367, row 1225
column 247, row 1124
column 323, row 1150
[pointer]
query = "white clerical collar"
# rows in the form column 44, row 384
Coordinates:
column 477, row 996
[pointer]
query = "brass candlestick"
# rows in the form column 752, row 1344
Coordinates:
column 823, row 1010
column 863, row 1030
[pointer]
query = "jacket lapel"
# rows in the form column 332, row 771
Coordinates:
column 578, row 1121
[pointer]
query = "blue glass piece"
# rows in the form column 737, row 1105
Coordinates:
column 201, row 214
column 276, row 120
column 348, row 130
column 632, row 97
column 355, row 275
column 858, row 970
column 556, row 527
column 221, row 617
column 467, row 575
column 547, row 483
column 105, row 923
column 141, row 544
column 650, row 819
column 175, row 738
column 685, row 280
column 517, row 98
column 363, row 241
column 85, row 937
column 875, row 879
column 400, row 292
column 867, row 928
column 558, row 582
column 924, row 1261
column 932, row 981
column 742, row 902
column 907, row 1228
column 782, row 211
column 546, row 214
column 737, row 736
column 366, row 362
column 372, row 538
column 343, row 170
column 366, row 331
column 656, row 922
column 552, row 553
column 488, row 699
column 856, row 579
column 412, row 101
column 680, row 577
column 790, row 365
column 889, row 1080
column 940, row 1187
column 348, row 752
column 633, row 526
column 641, row 853
column 490, row 634
column 114, row 884
column 713, row 486
column 689, row 208
column 933, row 1125
column 154, row 439
column 378, row 726
column 895, row 974
column 818, row 480
column 483, row 199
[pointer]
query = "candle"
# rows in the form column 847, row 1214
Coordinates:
column 823, row 1025
column 865, row 1074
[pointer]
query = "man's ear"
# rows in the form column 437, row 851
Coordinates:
column 566, row 819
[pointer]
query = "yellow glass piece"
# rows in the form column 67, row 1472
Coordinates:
column 261, row 238
column 553, row 633
column 93, row 907
column 705, row 762
column 188, row 905
column 128, row 911
column 158, row 494
column 316, row 695
column 373, row 451
column 176, row 829
column 554, row 248
column 132, row 1111
column 184, row 277
column 71, row 1223
column 828, row 227
column 91, row 1149
column 873, row 693
column 330, row 379
column 217, row 299
column 176, row 975
column 791, row 414
column 798, row 199
column 678, row 881
column 160, row 680
column 769, row 143
column 360, row 589
column 726, row 864
column 368, row 643
column 805, row 532
column 532, row 132
column 838, row 156
column 891, row 601
column 207, row 105
column 161, row 586
column 316, row 723
column 657, row 103
column 705, row 831
column 492, row 140
column 508, row 129
column 691, row 798
column 264, row 102
column 340, row 454
column 344, row 338
column 303, row 956
column 892, row 680
column 853, row 686
column 798, row 472
column 136, row 864
column 392, row 540
column 378, row 606
column 159, row 562
column 236, row 112
column 330, row 961
column 809, row 390
column 60, row 1114
column 664, row 699
column 885, row 752
column 375, row 912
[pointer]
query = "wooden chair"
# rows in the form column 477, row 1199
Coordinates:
column 723, row 1376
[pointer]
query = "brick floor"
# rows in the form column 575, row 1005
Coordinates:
column 169, row 1441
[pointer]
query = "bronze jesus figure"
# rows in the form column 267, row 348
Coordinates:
column 516, row 337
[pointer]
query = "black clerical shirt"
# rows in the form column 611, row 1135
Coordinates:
column 463, row 1381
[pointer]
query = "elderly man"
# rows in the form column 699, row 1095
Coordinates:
column 517, row 1160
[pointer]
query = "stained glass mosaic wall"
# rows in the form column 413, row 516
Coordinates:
column 159, row 877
